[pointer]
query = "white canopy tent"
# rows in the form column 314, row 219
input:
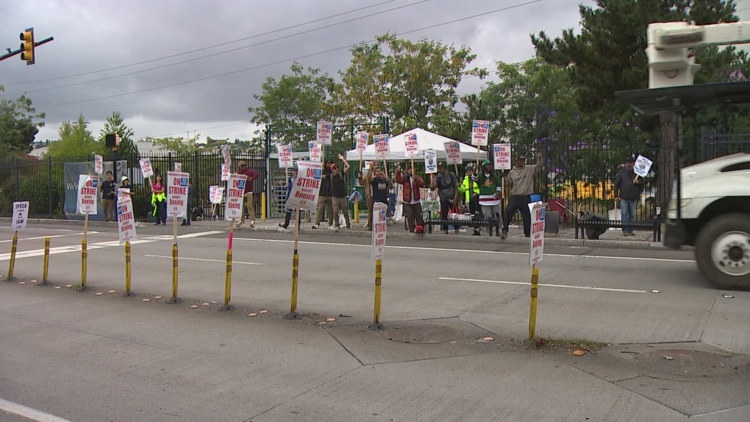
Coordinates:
column 426, row 140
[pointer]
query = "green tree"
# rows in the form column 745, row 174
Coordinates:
column 177, row 144
column 609, row 55
column 19, row 124
column 75, row 140
column 293, row 104
column 115, row 124
column 414, row 83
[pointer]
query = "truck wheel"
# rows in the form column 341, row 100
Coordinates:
column 722, row 251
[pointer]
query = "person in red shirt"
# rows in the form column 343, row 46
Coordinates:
column 251, row 176
column 411, row 200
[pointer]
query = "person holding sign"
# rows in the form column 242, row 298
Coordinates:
column 410, row 197
column 521, row 182
column 470, row 188
column 490, row 194
column 159, row 200
column 251, row 176
column 109, row 197
column 380, row 184
column 446, row 184
column 628, row 192
column 339, row 194
column 284, row 228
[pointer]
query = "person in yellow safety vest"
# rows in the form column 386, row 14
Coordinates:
column 470, row 189
column 159, row 200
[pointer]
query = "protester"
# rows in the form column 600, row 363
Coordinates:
column 490, row 195
column 325, row 204
column 109, row 197
column 339, row 193
column 628, row 192
column 521, row 182
column 366, row 181
column 289, row 210
column 446, row 184
column 380, row 185
column 470, row 188
column 159, row 200
column 410, row 198
column 248, row 197
column 125, row 188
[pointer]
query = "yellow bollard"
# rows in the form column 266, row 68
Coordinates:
column 534, row 293
column 45, row 269
column 378, row 279
column 174, row 274
column 356, row 210
column 84, row 256
column 263, row 206
column 127, row 268
column 228, row 280
column 307, row 217
column 295, row 277
column 13, row 249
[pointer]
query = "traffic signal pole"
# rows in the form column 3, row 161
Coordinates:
column 19, row 51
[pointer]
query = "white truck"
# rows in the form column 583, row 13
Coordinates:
column 714, row 217
column 712, row 210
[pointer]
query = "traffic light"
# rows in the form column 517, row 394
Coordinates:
column 27, row 46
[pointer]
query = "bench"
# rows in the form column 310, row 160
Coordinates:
column 461, row 222
column 653, row 225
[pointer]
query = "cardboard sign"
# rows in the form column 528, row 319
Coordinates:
column 501, row 156
column 125, row 219
column 88, row 187
column 382, row 145
column 20, row 215
column 379, row 229
column 305, row 190
column 224, row 172
column 123, row 192
column 430, row 161
column 325, row 132
column 98, row 164
column 453, row 151
column 362, row 139
column 146, row 167
column 642, row 166
column 410, row 144
column 177, row 166
column 215, row 194
column 536, row 241
column 480, row 131
column 177, row 193
column 235, row 195
column 316, row 152
column 285, row 156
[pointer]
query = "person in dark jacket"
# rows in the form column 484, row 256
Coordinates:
column 628, row 192
column 186, row 220
column 288, row 216
column 339, row 194
column 325, row 204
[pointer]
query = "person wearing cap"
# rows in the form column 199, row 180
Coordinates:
column 521, row 183
column 125, row 188
column 248, row 202
column 410, row 198
column 628, row 192
column 339, row 193
column 490, row 194
column 109, row 197
column 446, row 184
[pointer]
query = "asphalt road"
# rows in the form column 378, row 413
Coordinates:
column 659, row 343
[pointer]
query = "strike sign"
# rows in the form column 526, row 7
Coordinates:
column 480, row 130
column 20, row 215
column 306, row 188
column 411, row 145
column 382, row 146
column 177, row 193
column 642, row 166
column 224, row 172
column 235, row 194
column 146, row 167
column 379, row 230
column 88, row 187
column 285, row 156
column 501, row 156
column 324, row 132
column 362, row 139
column 453, row 152
column 98, row 164
column 316, row 153
column 536, row 245
column 215, row 194
column 430, row 161
column 125, row 219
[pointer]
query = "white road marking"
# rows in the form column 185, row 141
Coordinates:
column 28, row 413
column 43, row 237
column 562, row 286
column 99, row 245
column 423, row 248
column 204, row 259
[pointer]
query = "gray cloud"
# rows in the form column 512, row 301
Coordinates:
column 115, row 56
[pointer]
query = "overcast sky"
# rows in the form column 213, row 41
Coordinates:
column 173, row 67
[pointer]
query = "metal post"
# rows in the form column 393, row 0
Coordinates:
column 45, row 269
column 13, row 249
column 127, row 268
column 84, row 256
column 534, row 293
column 378, row 280
column 174, row 299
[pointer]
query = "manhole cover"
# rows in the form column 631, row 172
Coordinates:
column 424, row 334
